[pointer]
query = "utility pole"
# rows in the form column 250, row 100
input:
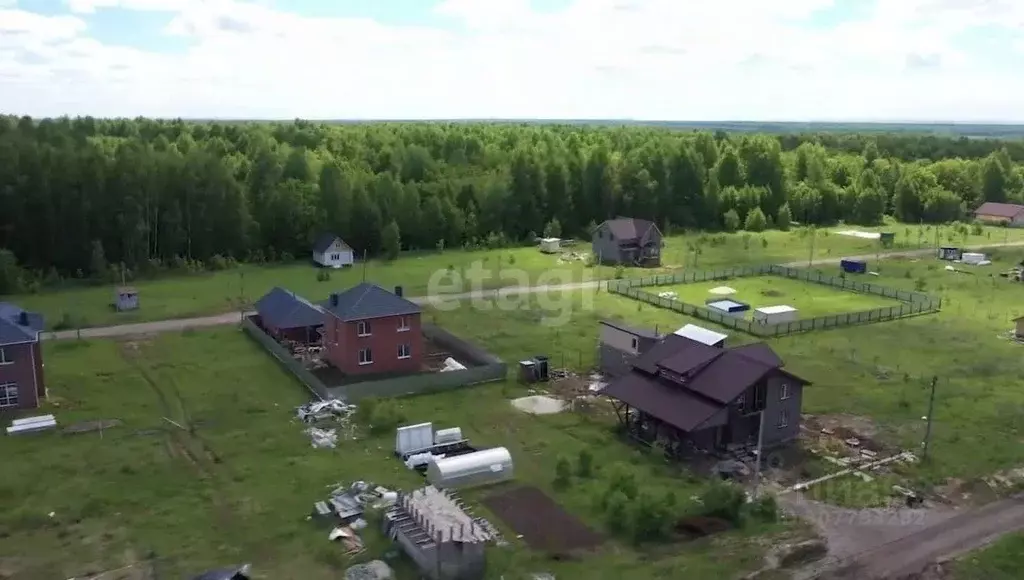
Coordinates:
column 364, row 265
column 928, row 430
column 810, row 257
column 760, row 449
column 241, row 292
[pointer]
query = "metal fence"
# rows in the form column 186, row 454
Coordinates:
column 912, row 303
column 488, row 368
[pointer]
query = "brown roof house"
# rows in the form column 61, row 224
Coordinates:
column 627, row 241
column 691, row 396
column 21, row 359
column 1001, row 213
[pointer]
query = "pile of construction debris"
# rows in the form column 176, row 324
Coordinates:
column 32, row 425
column 569, row 257
column 372, row 570
column 346, row 505
column 327, row 410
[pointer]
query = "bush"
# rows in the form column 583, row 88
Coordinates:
column 731, row 220
column 217, row 263
column 379, row 415
column 563, row 473
column 765, row 509
column 616, row 511
column 650, row 519
column 585, row 465
column 756, row 221
column 620, row 272
column 323, row 275
column 724, row 501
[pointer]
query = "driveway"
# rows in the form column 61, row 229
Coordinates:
column 179, row 324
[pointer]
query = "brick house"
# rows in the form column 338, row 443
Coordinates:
column 21, row 359
column 369, row 330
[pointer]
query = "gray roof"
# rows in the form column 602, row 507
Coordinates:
column 282, row 308
column 624, row 228
column 635, row 331
column 368, row 301
column 11, row 329
column 325, row 240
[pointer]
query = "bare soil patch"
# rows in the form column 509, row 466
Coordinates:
column 543, row 523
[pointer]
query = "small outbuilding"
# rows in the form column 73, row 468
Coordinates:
column 726, row 306
column 550, row 245
column 973, row 258
column 851, row 266
column 287, row 316
column 887, row 239
column 482, row 467
column 702, row 335
column 126, row 298
column 1018, row 327
column 775, row 314
column 331, row 251
column 950, row 253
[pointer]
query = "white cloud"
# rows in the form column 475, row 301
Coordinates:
column 668, row 59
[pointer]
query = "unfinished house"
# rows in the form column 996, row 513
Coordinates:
column 620, row 345
column 627, row 241
column 689, row 396
column 434, row 530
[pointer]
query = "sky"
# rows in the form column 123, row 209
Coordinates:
column 707, row 60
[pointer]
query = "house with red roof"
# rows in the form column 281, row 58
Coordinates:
column 1010, row 214
column 692, row 396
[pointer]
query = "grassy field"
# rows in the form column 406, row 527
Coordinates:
column 239, row 489
column 808, row 298
column 877, row 371
column 217, row 292
column 1000, row 561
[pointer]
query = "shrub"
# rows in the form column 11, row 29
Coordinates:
column 563, row 473
column 765, row 508
column 756, row 221
column 723, row 500
column 731, row 220
column 585, row 465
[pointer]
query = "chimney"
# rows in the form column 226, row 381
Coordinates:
column 334, row 299
column 23, row 318
column 398, row 291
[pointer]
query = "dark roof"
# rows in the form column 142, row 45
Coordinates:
column 368, row 301
column 671, row 404
column 690, row 359
column 1006, row 210
column 624, row 228
column 641, row 332
column 669, row 346
column 325, row 240
column 760, row 352
column 11, row 329
column 282, row 308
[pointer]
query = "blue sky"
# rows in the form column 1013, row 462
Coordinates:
column 799, row 60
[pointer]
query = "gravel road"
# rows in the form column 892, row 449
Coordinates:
column 179, row 324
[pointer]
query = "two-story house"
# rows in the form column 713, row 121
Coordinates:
column 627, row 241
column 21, row 359
column 694, row 396
column 369, row 330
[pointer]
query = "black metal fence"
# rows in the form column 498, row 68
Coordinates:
column 912, row 303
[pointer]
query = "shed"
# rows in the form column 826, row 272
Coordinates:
column 950, row 253
column 413, row 438
column 286, row 315
column 126, row 298
column 478, row 468
column 725, row 306
column 702, row 335
column 1018, row 327
column 550, row 245
column 972, row 258
column 887, row 239
column 853, row 266
column 331, row 251
column 775, row 314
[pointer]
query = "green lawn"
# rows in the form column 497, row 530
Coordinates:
column 217, row 292
column 808, row 298
column 1000, row 561
column 239, row 491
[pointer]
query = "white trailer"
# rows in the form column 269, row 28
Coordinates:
column 551, row 245
column 775, row 314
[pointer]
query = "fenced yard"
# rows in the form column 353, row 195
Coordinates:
column 482, row 367
column 864, row 302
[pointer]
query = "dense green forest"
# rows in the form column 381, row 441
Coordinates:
column 77, row 195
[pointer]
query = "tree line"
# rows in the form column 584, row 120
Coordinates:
column 79, row 195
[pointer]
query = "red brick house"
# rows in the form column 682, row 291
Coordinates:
column 369, row 330
column 21, row 359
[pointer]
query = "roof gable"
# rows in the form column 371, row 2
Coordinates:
column 366, row 301
column 635, row 331
column 1006, row 210
column 284, row 309
column 625, row 228
column 12, row 331
column 324, row 242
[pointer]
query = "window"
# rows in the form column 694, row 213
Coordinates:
column 364, row 328
column 4, row 360
column 365, row 356
column 8, row 395
column 404, row 351
column 403, row 324
column 784, row 392
column 783, row 419
column 335, row 257
column 636, row 343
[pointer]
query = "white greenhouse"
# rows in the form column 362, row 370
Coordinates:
column 478, row 468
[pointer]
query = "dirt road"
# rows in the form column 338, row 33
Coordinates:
column 896, row 544
column 179, row 324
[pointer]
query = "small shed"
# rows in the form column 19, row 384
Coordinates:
column 702, row 335
column 726, row 306
column 1018, row 327
column 126, row 298
column 851, row 266
column 950, row 253
column 551, row 245
column 775, row 314
column 482, row 467
column 414, row 438
column 972, row 258
column 887, row 239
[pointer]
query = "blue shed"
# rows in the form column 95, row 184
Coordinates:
column 727, row 306
column 853, row 266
